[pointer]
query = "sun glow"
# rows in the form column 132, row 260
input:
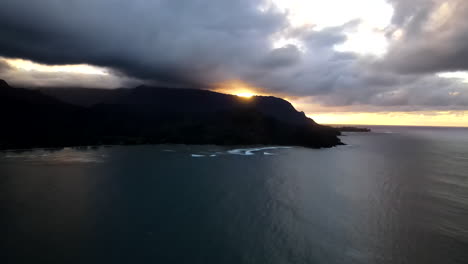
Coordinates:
column 238, row 88
column 244, row 94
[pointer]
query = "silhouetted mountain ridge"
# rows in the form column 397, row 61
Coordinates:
column 180, row 100
column 12, row 96
column 155, row 115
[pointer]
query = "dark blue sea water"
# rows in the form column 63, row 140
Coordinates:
column 396, row 195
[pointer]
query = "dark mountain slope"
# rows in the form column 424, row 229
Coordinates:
column 176, row 100
column 13, row 96
column 156, row 115
column 32, row 119
column 85, row 97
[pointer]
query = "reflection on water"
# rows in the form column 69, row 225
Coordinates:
column 397, row 195
column 65, row 155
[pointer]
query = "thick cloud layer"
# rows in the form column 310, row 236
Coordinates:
column 174, row 41
column 431, row 36
column 203, row 42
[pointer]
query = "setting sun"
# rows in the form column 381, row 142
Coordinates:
column 237, row 88
column 244, row 94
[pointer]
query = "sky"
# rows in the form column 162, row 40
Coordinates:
column 394, row 62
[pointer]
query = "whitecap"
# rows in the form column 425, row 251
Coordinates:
column 197, row 156
column 249, row 152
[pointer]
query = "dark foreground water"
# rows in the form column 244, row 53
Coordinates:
column 397, row 195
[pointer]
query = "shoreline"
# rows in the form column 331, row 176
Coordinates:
column 90, row 147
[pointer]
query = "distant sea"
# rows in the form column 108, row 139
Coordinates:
column 395, row 195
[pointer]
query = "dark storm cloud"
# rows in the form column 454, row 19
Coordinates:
column 319, row 70
column 205, row 42
column 282, row 57
column 174, row 41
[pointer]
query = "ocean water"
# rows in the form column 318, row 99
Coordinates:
column 396, row 195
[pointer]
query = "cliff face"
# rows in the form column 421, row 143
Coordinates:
column 154, row 115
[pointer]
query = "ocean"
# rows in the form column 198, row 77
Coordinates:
column 395, row 195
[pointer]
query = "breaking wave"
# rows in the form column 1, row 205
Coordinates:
column 251, row 151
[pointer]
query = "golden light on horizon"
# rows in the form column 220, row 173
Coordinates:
column 421, row 118
column 342, row 115
column 245, row 94
column 238, row 88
